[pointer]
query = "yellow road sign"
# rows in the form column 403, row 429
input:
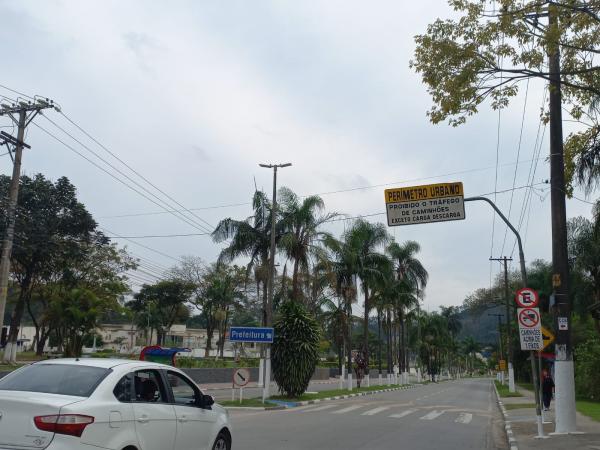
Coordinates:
column 424, row 204
column 547, row 336
column 502, row 364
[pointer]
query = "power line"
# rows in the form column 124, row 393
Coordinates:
column 115, row 177
column 167, row 208
column 159, row 236
column 158, row 252
column 132, row 169
column 336, row 219
column 516, row 165
column 340, row 191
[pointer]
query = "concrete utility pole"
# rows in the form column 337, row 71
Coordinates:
column 534, row 371
column 508, row 303
column 271, row 279
column 21, row 113
column 564, row 372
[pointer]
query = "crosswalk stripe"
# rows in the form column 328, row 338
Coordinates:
column 348, row 409
column 464, row 418
column 372, row 412
column 403, row 414
column 319, row 408
column 432, row 415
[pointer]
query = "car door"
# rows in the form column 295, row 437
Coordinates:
column 155, row 423
column 195, row 425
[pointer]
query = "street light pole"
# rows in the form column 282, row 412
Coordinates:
column 271, row 279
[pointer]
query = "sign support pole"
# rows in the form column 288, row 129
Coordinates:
column 536, row 385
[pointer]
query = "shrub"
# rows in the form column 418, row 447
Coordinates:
column 295, row 349
column 587, row 369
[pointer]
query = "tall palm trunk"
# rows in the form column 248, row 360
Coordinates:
column 295, row 284
column 349, row 332
column 366, row 327
column 379, row 339
column 389, row 341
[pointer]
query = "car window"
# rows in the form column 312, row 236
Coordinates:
column 122, row 390
column 63, row 379
column 149, row 387
column 183, row 391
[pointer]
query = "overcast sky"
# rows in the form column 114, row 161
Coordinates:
column 194, row 94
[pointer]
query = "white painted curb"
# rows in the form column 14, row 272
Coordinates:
column 359, row 394
column 512, row 442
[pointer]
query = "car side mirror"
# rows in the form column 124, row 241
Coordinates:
column 206, row 401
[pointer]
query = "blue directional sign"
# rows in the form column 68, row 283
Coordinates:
column 251, row 334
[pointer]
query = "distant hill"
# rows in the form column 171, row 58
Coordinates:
column 482, row 327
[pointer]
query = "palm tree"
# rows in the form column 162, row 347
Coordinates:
column 343, row 269
column 301, row 222
column 362, row 240
column 335, row 324
column 470, row 347
column 250, row 238
column 414, row 277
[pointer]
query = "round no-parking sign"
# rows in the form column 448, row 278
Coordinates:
column 527, row 298
column 241, row 377
column 529, row 318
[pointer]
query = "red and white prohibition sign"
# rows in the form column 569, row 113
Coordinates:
column 529, row 318
column 527, row 298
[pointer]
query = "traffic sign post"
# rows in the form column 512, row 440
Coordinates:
column 530, row 334
column 241, row 377
column 548, row 337
column 441, row 202
column 527, row 298
column 261, row 335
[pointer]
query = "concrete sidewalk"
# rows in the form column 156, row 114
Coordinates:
column 522, row 421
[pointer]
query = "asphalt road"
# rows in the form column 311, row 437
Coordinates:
column 451, row 415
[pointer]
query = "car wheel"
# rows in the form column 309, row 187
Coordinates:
column 222, row 442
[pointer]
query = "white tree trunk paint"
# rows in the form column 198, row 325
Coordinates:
column 511, row 378
column 349, row 381
column 564, row 380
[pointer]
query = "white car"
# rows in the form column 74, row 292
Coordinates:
column 117, row 404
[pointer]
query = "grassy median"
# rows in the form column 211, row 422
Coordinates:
column 589, row 408
column 504, row 392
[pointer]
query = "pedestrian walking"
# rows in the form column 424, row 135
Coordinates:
column 547, row 389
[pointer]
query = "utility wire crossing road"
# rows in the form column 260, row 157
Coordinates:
column 455, row 415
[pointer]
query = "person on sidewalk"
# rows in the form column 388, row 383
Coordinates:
column 547, row 389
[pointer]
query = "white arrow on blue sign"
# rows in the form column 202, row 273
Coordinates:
column 251, row 334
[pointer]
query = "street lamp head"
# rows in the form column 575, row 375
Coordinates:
column 285, row 165
column 267, row 166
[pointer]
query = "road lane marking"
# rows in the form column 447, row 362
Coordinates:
column 372, row 412
column 464, row 418
column 403, row 413
column 320, row 408
column 432, row 415
column 348, row 409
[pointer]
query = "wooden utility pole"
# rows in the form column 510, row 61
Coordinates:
column 21, row 113
column 564, row 372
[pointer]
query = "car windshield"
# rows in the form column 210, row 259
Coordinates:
column 60, row 379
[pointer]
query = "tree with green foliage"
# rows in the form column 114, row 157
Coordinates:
column 295, row 351
column 250, row 238
column 162, row 304
column 51, row 227
column 460, row 59
column 363, row 241
column 413, row 278
column 302, row 224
